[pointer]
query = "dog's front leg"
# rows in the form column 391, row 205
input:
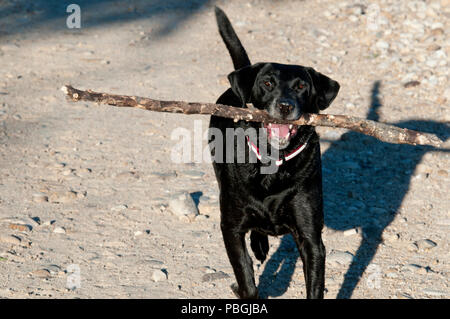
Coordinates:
column 308, row 237
column 241, row 262
column 312, row 253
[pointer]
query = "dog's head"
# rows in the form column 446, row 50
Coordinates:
column 285, row 92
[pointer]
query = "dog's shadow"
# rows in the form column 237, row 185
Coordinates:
column 364, row 184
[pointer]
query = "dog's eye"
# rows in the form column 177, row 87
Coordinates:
column 268, row 84
column 300, row 86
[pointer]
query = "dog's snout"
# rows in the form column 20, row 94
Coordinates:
column 285, row 106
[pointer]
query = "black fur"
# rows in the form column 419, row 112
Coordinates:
column 288, row 201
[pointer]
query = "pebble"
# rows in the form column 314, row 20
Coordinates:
column 41, row 273
column 425, row 244
column 193, row 174
column 10, row 239
column 159, row 275
column 411, row 84
column 119, row 208
column 20, row 227
column 53, row 269
column 350, row 232
column 62, row 197
column 164, row 176
column 59, row 230
column 442, row 172
column 340, row 257
column 40, row 198
column 214, row 276
column 410, row 267
column 183, row 205
column 390, row 237
column 208, row 207
column 434, row 292
column 383, row 45
column 67, row 172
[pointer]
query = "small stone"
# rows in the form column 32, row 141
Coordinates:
column 40, row 198
column 411, row 267
column 383, row 45
column 437, row 32
column 193, row 174
column 164, row 176
column 62, row 197
column 183, row 205
column 340, row 257
column 81, row 195
column 20, row 227
column 59, row 165
column 159, row 275
column 425, row 244
column 432, row 63
column 41, row 273
column 404, row 295
column 9, row 239
column 411, row 84
column 207, row 270
column 67, row 172
column 59, row 230
column 138, row 233
column 350, row 232
column 32, row 221
column 53, row 269
column 119, row 208
column 390, row 237
column 214, row 276
column 442, row 172
column 201, row 217
column 208, row 207
column 434, row 292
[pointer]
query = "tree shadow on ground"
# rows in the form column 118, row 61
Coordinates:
column 364, row 181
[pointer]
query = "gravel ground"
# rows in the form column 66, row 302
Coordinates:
column 91, row 206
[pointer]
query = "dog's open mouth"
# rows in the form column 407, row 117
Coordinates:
column 279, row 135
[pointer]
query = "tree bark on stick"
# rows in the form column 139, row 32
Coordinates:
column 384, row 132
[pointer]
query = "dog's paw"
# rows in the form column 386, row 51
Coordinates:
column 235, row 288
column 260, row 245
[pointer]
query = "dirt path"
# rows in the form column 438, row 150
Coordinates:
column 85, row 190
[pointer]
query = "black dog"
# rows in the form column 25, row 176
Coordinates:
column 290, row 200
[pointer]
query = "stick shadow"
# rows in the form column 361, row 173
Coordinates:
column 364, row 182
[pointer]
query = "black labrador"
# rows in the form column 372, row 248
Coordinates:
column 289, row 200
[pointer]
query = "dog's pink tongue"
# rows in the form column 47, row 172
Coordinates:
column 280, row 130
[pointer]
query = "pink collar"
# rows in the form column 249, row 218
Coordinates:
column 280, row 161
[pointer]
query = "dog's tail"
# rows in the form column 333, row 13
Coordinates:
column 232, row 42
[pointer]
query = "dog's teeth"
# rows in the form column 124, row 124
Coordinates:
column 290, row 127
column 270, row 125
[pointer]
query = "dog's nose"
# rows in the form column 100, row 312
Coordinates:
column 285, row 107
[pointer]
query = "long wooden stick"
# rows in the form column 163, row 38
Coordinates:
column 384, row 132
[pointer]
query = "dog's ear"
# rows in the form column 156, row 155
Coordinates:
column 242, row 81
column 326, row 89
